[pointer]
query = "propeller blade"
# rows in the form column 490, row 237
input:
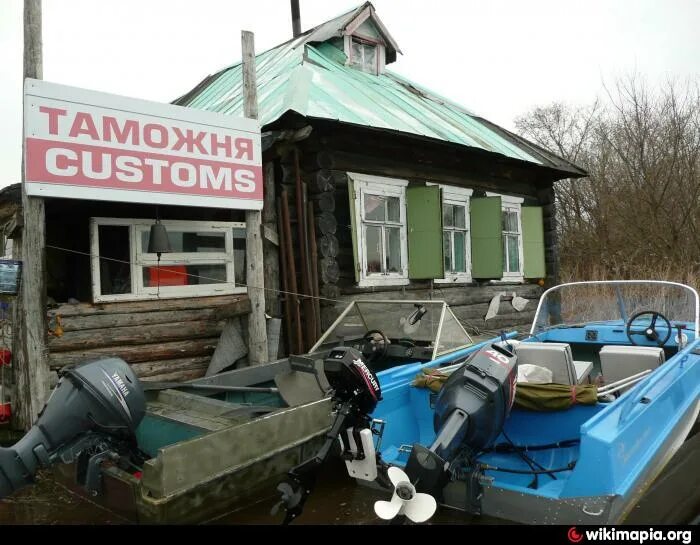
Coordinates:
column 387, row 510
column 420, row 508
column 397, row 475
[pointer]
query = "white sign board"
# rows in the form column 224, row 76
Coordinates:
column 83, row 144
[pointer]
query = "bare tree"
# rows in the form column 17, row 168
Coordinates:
column 638, row 212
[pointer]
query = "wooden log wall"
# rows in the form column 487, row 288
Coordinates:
column 326, row 158
column 165, row 340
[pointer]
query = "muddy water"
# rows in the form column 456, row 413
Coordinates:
column 337, row 499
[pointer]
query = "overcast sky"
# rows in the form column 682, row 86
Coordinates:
column 499, row 58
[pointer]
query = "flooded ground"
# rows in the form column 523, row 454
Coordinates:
column 336, row 500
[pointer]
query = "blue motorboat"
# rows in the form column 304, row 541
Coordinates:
column 636, row 344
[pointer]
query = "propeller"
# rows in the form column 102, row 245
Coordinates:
column 418, row 507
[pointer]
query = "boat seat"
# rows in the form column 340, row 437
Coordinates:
column 556, row 357
column 619, row 362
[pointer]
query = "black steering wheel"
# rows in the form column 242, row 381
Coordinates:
column 370, row 349
column 650, row 332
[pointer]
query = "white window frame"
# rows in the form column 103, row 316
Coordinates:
column 380, row 52
column 365, row 184
column 514, row 204
column 458, row 196
column 139, row 259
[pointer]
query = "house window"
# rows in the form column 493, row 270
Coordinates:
column 380, row 205
column 364, row 56
column 512, row 241
column 456, row 237
column 207, row 258
column 512, row 237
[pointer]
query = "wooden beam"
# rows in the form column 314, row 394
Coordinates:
column 257, row 327
column 235, row 304
column 134, row 335
column 31, row 366
column 271, row 243
column 140, row 353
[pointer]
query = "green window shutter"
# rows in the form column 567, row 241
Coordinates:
column 424, row 222
column 354, row 228
column 487, row 237
column 533, row 242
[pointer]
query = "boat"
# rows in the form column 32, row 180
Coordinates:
column 204, row 446
column 473, row 447
column 572, row 423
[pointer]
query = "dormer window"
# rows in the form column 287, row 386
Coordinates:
column 364, row 55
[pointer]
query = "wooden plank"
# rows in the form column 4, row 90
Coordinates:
column 271, row 248
column 139, row 353
column 134, row 335
column 257, row 326
column 155, row 368
column 178, row 376
column 84, row 309
column 314, row 274
column 29, row 339
column 101, row 321
column 291, row 268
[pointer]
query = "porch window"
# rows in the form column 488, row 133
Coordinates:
column 379, row 208
column 207, row 258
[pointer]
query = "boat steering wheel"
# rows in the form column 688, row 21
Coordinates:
column 650, row 332
column 370, row 346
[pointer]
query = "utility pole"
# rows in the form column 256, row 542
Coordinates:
column 296, row 18
column 257, row 326
column 29, row 335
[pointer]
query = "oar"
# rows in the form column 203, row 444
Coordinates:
column 151, row 386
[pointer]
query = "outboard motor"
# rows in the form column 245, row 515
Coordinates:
column 356, row 392
column 469, row 414
column 94, row 410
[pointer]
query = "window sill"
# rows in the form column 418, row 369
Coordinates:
column 126, row 297
column 509, row 280
column 454, row 280
column 382, row 281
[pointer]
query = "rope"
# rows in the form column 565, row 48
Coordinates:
column 218, row 280
column 466, row 324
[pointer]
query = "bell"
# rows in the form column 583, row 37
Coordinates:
column 158, row 241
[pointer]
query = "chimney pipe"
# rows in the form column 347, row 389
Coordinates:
column 296, row 18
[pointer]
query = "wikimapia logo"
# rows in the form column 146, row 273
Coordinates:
column 636, row 536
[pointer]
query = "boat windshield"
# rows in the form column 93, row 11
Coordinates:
column 580, row 303
column 423, row 323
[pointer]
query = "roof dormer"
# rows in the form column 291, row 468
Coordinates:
column 366, row 42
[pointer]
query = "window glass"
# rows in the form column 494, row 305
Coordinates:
column 115, row 257
column 186, row 241
column 374, row 249
column 460, row 265
column 184, row 275
column 459, row 217
column 394, row 209
column 375, row 208
column 393, row 243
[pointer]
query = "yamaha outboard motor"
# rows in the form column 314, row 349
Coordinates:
column 356, row 392
column 469, row 414
column 95, row 409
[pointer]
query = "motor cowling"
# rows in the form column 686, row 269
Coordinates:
column 469, row 414
column 103, row 397
column 351, row 379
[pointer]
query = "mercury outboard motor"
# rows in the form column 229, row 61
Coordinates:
column 469, row 414
column 95, row 409
column 356, row 392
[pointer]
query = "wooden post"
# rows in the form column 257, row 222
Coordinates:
column 30, row 352
column 257, row 327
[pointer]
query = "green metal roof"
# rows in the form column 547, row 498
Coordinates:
column 311, row 78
